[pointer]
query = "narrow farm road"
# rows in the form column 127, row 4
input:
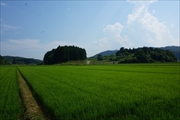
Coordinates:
column 32, row 110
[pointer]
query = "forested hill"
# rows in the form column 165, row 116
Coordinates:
column 174, row 49
column 3, row 61
column 145, row 55
column 22, row 60
column 106, row 53
column 63, row 54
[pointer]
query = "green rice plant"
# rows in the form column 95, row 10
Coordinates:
column 127, row 91
column 10, row 107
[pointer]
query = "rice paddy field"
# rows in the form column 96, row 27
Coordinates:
column 10, row 105
column 136, row 91
column 100, row 92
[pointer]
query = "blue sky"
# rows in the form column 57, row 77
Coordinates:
column 31, row 28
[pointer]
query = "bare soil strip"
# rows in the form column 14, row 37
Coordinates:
column 32, row 110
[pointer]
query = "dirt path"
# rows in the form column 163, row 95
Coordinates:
column 32, row 110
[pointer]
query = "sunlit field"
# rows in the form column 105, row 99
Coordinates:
column 127, row 91
column 10, row 106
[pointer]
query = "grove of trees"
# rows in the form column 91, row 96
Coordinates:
column 144, row 55
column 99, row 57
column 63, row 54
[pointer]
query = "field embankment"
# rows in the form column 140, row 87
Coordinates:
column 16, row 100
column 32, row 110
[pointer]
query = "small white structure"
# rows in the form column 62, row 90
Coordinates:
column 88, row 62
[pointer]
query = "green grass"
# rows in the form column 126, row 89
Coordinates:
column 128, row 91
column 10, row 107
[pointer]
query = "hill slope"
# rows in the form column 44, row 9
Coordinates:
column 22, row 60
column 106, row 53
column 174, row 49
column 145, row 55
column 3, row 61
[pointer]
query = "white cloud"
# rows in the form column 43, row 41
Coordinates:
column 3, row 4
column 116, row 37
column 135, row 15
column 160, row 30
column 116, row 27
column 9, row 27
column 153, row 11
column 172, row 26
column 124, row 41
column 141, row 1
column 25, row 44
column 101, row 43
column 32, row 48
column 113, row 38
column 22, row 47
column 157, row 33
column 22, row 44
column 24, row 41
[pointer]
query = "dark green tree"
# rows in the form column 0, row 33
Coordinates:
column 141, row 56
column 3, row 61
column 145, row 55
column 64, row 54
column 14, row 61
column 99, row 57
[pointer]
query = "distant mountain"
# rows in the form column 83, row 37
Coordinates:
column 174, row 49
column 22, row 60
column 106, row 53
column 3, row 61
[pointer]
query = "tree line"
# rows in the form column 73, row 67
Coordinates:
column 63, row 54
column 144, row 55
column 3, row 61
